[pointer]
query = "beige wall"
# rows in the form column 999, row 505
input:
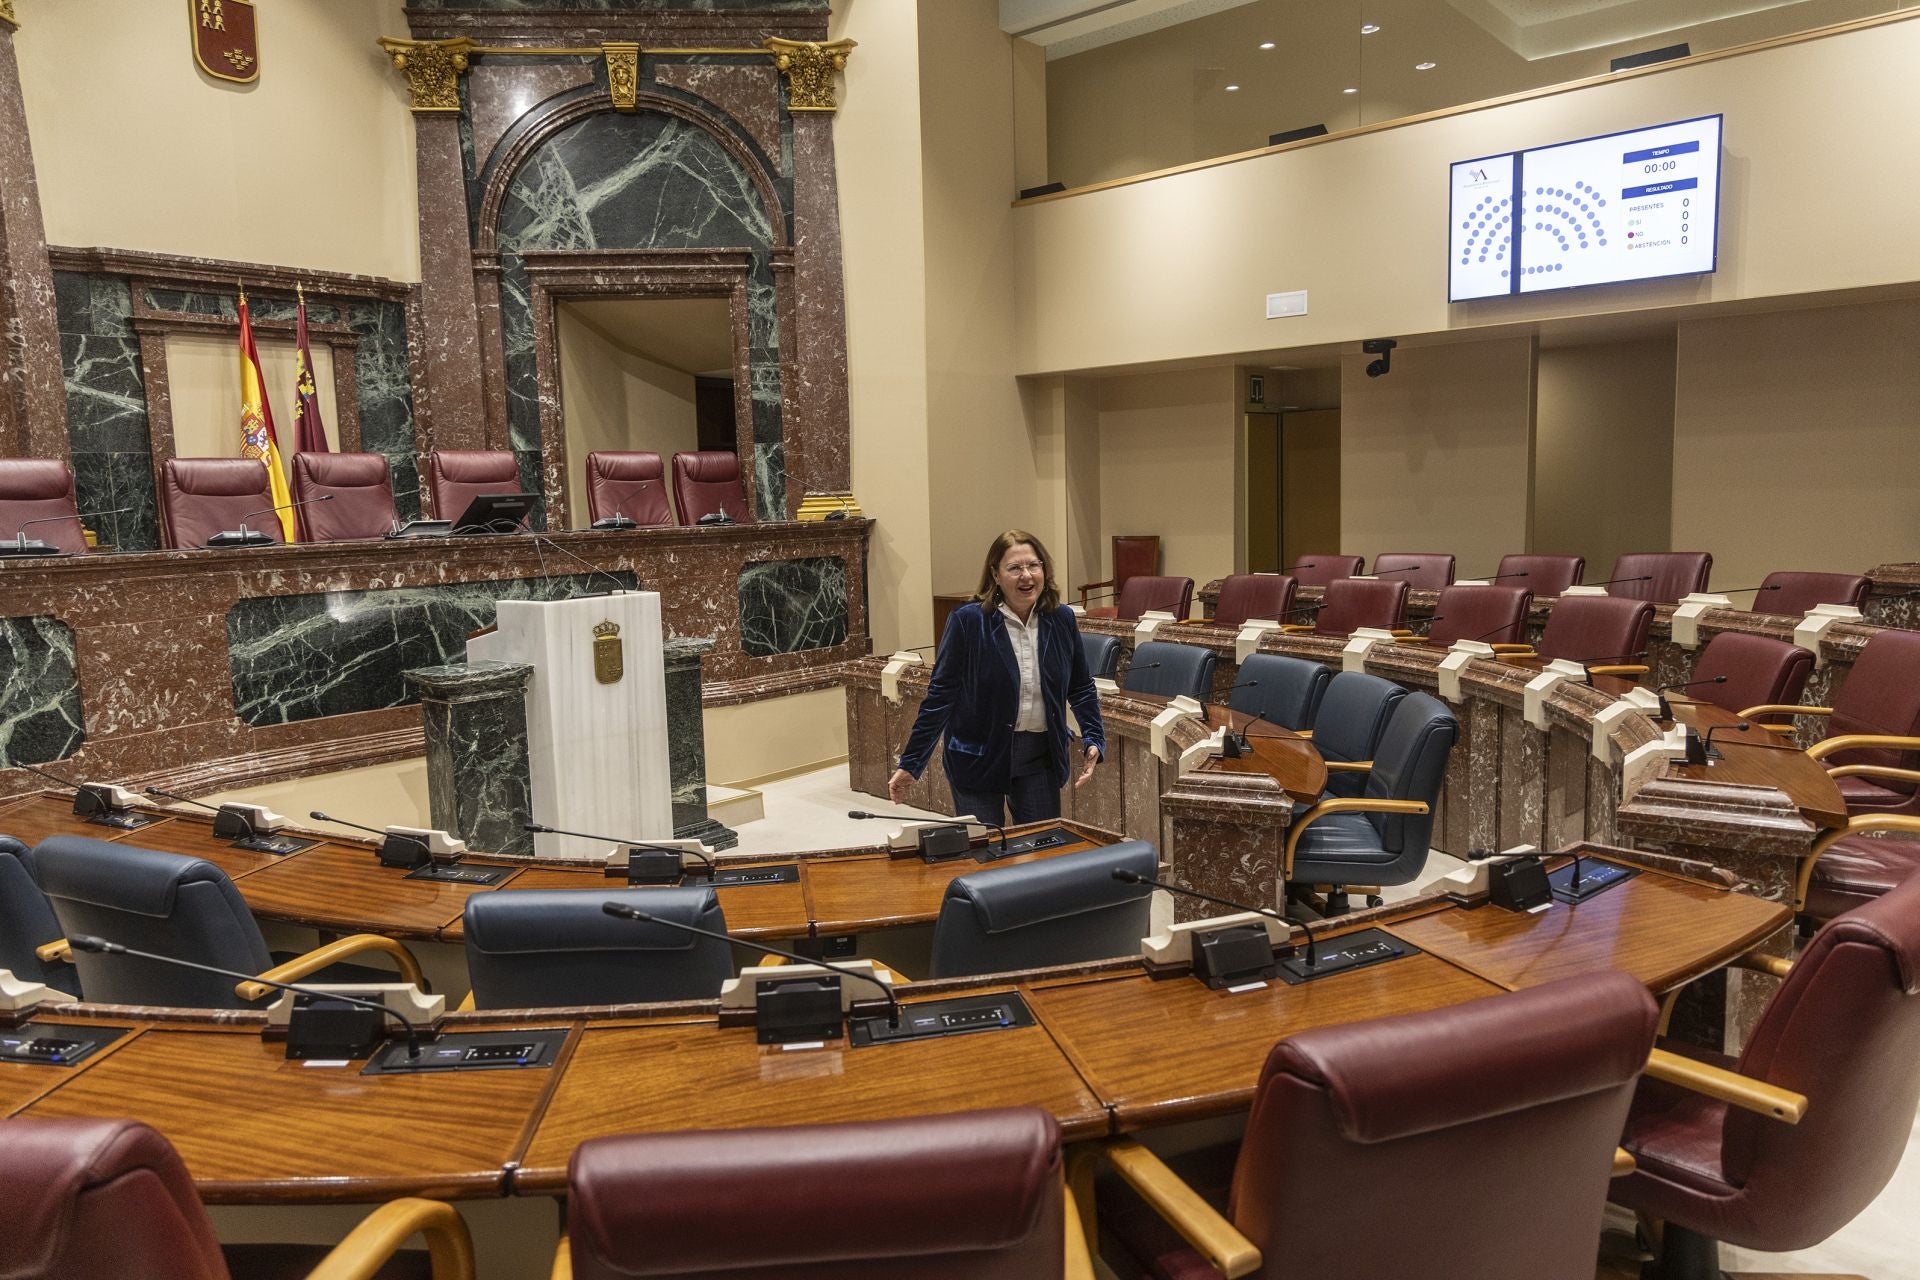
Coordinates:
column 877, row 148
column 1603, row 452
column 137, row 148
column 750, row 743
column 1178, row 267
column 611, row 398
column 1166, row 444
column 1797, row 440
column 203, row 383
column 1437, row 455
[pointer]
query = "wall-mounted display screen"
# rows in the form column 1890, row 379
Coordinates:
column 1636, row 205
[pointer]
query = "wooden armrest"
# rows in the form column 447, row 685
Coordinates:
column 1400, row 631
column 1874, row 771
column 1856, row 741
column 59, row 951
column 380, row 1234
column 1778, row 728
column 563, row 1259
column 1407, row 637
column 1349, row 766
column 1199, row 1223
column 1760, row 962
column 1357, row 804
column 1078, row 1263
column 1729, row 1087
column 1520, row 649
column 1626, row 669
column 1784, row 708
column 1088, row 586
column 1855, row 825
column 1293, row 628
column 1623, row 1162
column 333, row 953
column 1528, row 656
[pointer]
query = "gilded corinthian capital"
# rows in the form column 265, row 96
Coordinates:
column 432, row 68
column 809, row 68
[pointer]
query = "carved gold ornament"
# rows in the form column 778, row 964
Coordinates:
column 809, row 68
column 6, row 13
column 433, row 69
column 609, row 660
column 623, row 74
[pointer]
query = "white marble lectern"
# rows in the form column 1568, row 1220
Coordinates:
column 596, row 715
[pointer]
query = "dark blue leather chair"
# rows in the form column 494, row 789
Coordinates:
column 1353, row 715
column 27, row 922
column 1381, row 836
column 536, row 948
column 1056, row 911
column 1102, row 654
column 1182, row 669
column 187, row 909
column 1289, row 690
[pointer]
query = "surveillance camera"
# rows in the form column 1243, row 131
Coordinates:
column 1382, row 347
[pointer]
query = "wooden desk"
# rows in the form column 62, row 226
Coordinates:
column 1162, row 1051
column 658, row 1078
column 255, row 1127
column 343, row 887
column 1662, row 929
column 752, row 911
column 1287, row 757
column 860, row 894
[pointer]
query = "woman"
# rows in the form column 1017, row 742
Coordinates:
column 1010, row 664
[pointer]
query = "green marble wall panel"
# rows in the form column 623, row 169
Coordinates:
column 106, row 408
column 40, row 717
column 787, row 606
column 333, row 653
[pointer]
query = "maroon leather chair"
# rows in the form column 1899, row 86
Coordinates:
column 1585, row 628
column 1318, row 571
column 455, row 477
column 1851, row 870
column 632, row 484
column 1479, row 1139
column 1492, row 615
column 1546, row 575
column 1760, row 671
column 1669, row 574
column 1423, row 571
column 1793, row 593
column 1144, row 592
column 706, row 482
column 110, row 1200
column 1352, row 603
column 1253, row 595
column 1135, row 555
column 200, row 497
column 1880, row 697
column 1843, row 1030
column 359, row 492
column 36, row 489
column 950, row 1197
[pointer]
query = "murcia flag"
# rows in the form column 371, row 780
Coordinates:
column 309, row 434
column 256, row 422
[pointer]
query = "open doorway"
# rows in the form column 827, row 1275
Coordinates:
column 651, row 374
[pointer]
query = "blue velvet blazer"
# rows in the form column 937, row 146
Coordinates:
column 974, row 699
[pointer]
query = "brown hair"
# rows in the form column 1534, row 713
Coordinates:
column 989, row 591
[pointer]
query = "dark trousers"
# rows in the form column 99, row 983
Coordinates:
column 1032, row 795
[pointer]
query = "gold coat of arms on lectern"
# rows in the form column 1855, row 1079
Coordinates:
column 609, row 661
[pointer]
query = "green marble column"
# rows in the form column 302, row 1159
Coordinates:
column 687, row 746
column 479, row 786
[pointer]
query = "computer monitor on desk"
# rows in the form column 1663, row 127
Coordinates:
column 496, row 513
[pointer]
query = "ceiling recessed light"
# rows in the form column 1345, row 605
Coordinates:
column 1233, row 88
column 1349, row 91
column 1425, row 66
column 1266, row 44
column 1369, row 28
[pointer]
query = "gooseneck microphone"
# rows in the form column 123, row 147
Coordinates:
column 1125, row 876
column 622, row 911
column 245, row 537
column 541, row 539
column 1495, row 577
column 1666, row 708
column 1235, row 745
column 318, row 816
column 25, row 546
column 1645, row 577
column 541, row 829
column 237, row 814
column 861, row 815
column 87, row 942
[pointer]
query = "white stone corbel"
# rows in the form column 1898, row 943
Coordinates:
column 1252, row 632
column 1200, row 752
column 1686, row 616
column 1808, row 631
column 1458, row 656
column 1354, row 656
column 1149, row 625
column 1181, row 708
column 897, row 662
column 1642, row 764
column 1538, row 688
column 1584, row 591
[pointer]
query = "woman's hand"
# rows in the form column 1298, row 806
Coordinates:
column 1093, row 758
column 897, row 786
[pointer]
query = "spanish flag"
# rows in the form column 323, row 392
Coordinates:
column 257, row 439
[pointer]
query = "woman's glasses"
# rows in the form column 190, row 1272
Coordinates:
column 1024, row 569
